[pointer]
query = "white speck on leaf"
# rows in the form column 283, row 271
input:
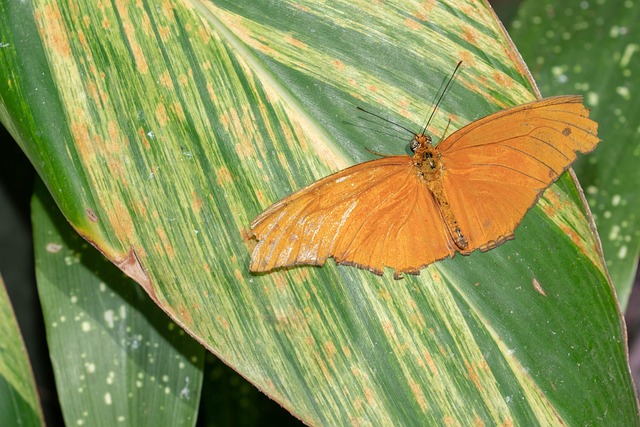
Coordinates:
column 184, row 393
column 53, row 248
column 109, row 318
column 622, row 252
column 623, row 91
column 615, row 231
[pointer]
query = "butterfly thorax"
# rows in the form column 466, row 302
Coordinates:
column 426, row 157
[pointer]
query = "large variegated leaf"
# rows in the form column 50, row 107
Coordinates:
column 162, row 129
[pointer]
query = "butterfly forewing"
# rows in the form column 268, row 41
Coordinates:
column 370, row 216
column 496, row 168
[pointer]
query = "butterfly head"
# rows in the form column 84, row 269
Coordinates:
column 420, row 142
column 425, row 156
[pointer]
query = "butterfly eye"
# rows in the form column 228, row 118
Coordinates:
column 414, row 144
column 420, row 140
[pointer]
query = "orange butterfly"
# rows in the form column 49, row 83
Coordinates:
column 469, row 192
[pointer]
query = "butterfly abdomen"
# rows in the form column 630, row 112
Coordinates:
column 437, row 190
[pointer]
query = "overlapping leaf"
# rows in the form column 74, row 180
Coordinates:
column 19, row 403
column 593, row 50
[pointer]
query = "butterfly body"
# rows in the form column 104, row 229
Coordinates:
column 427, row 161
column 469, row 192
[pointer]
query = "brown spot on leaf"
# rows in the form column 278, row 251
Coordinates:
column 135, row 48
column 467, row 58
column 144, row 138
column 469, row 34
column 52, row 28
column 165, row 32
column 302, row 7
column 92, row 215
column 369, row 396
column 223, row 176
column 330, row 350
column 223, row 322
column 94, row 93
column 204, row 35
column 387, row 327
column 297, row 43
column 426, row 8
column 165, row 80
column 80, row 132
column 196, row 203
column 429, row 361
column 448, row 421
column 184, row 79
column 412, row 23
column 115, row 142
column 473, row 376
column 132, row 267
column 418, row 395
column 479, row 422
column 184, row 315
column 502, row 80
column 538, row 287
column 384, row 294
column 83, row 39
column 166, row 243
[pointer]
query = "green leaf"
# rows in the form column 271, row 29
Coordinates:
column 19, row 404
column 116, row 357
column 591, row 48
column 171, row 126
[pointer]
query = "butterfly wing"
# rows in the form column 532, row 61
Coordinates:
column 496, row 168
column 370, row 215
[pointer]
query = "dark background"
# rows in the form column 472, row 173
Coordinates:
column 242, row 403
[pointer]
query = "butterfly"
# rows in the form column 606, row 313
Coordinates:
column 468, row 192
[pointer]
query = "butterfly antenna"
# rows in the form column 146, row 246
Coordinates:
column 444, row 91
column 377, row 153
column 445, row 130
column 386, row 120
